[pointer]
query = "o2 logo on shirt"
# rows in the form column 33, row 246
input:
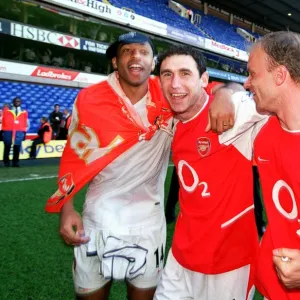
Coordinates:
column 196, row 182
column 203, row 145
column 280, row 184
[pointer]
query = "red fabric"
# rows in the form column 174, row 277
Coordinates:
column 47, row 134
column 219, row 189
column 103, row 120
column 211, row 85
column 12, row 122
column 277, row 156
column 68, row 122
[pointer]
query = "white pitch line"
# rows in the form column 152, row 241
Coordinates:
column 26, row 179
column 42, row 177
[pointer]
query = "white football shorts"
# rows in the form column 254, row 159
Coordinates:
column 178, row 283
column 137, row 257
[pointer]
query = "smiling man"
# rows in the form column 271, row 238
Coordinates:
column 274, row 77
column 215, row 238
column 114, row 144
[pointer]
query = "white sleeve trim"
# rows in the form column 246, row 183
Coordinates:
column 247, row 124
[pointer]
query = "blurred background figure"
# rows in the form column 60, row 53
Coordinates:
column 44, row 136
column 30, row 55
column 1, row 115
column 46, row 57
column 65, row 124
column 14, row 127
column 55, row 119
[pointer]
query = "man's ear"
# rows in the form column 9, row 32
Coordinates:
column 153, row 65
column 114, row 63
column 280, row 74
column 204, row 79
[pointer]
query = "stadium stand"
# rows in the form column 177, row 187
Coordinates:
column 37, row 99
column 158, row 11
column 209, row 27
column 222, row 31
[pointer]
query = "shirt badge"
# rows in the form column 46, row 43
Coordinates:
column 203, row 145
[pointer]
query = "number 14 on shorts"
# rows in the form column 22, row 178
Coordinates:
column 159, row 255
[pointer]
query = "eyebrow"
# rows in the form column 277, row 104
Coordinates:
column 140, row 44
column 172, row 71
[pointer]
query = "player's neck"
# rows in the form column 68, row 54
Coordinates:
column 194, row 111
column 134, row 93
column 288, row 114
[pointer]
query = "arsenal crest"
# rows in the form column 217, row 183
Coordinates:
column 65, row 187
column 203, row 145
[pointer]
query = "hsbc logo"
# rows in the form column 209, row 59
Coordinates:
column 68, row 41
column 44, row 36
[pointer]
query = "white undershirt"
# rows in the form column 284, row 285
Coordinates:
column 129, row 192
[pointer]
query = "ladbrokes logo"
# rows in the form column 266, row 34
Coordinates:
column 54, row 73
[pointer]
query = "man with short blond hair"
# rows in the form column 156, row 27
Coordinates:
column 274, row 77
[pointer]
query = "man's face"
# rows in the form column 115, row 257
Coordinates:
column 134, row 63
column 261, row 81
column 17, row 102
column 56, row 108
column 182, row 85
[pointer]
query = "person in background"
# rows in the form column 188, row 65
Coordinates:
column 55, row 119
column 65, row 124
column 190, row 15
column 14, row 127
column 44, row 136
column 1, row 115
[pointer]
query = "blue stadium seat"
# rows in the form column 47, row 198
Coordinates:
column 38, row 99
column 158, row 10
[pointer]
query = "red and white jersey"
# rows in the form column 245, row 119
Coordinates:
column 129, row 192
column 216, row 231
column 277, row 156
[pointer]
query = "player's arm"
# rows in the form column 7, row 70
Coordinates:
column 221, row 111
column 71, row 226
column 248, row 121
column 287, row 264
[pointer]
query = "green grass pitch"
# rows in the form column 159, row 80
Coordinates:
column 35, row 264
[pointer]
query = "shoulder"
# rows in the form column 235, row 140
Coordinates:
column 98, row 88
column 271, row 124
column 243, row 97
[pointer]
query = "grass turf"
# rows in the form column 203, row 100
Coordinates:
column 35, row 264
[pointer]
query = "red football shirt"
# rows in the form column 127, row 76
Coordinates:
column 277, row 156
column 216, row 231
